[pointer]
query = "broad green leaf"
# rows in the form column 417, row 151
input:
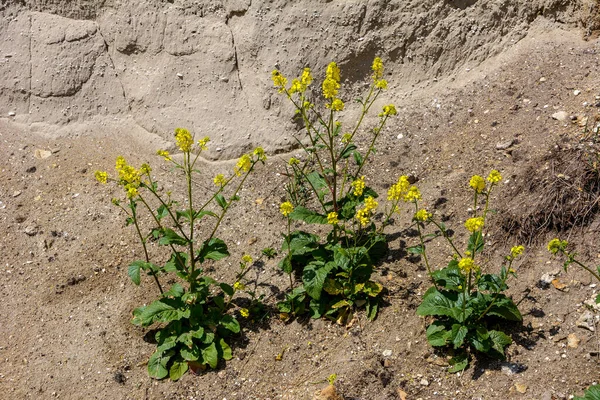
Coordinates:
column 300, row 243
column 318, row 184
column 170, row 237
column 157, row 364
column 310, row 217
column 230, row 323
column 210, row 355
column 313, row 278
column 418, row 249
column 340, row 304
column 190, row 353
column 348, row 150
column 592, row 393
column 225, row 350
column 201, row 214
column 161, row 311
column 358, row 158
column 213, row 249
column 161, row 212
column 178, row 369
column 221, row 201
column 499, row 341
column 598, row 299
column 177, row 262
column 458, row 363
column 332, row 287
column 137, row 314
column 491, row 282
column 286, row 265
column 458, row 335
column 437, row 334
column 372, row 308
column 228, row 290
column 183, row 214
column 186, row 338
column 450, row 278
column 505, row 308
column 372, row 288
column 444, row 303
column 134, row 272
column 476, row 242
column 175, row 291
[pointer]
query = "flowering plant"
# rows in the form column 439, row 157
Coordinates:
column 466, row 303
column 335, row 274
column 192, row 319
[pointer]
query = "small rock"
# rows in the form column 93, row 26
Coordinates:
column 329, row 393
column 542, row 79
column 16, row 193
column 560, row 116
column 402, row 394
column 586, row 321
column 573, row 341
column 509, row 368
column 31, row 230
column 559, row 285
column 31, row 170
column 545, row 280
column 387, row 363
column 179, row 75
column 505, row 145
column 576, row 92
column 12, row 113
column 41, row 154
column 521, row 387
column 387, row 353
column 424, row 382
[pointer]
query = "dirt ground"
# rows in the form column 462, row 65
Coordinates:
column 67, row 301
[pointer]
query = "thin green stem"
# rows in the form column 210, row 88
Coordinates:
column 143, row 240
column 445, row 234
column 424, row 251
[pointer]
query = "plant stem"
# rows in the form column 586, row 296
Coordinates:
column 445, row 234
column 143, row 240
column 424, row 252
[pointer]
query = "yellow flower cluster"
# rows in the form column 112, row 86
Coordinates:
column 202, row 143
column 423, row 215
column 516, row 251
column 286, row 208
column 346, row 138
column 184, row 139
column 377, row 68
column 101, row 176
column 300, row 85
column 399, row 189
column 243, row 165
column 331, row 84
column 477, row 183
column 239, row 286
column 370, row 203
column 467, row 264
column 390, row 109
column 332, row 218
column 129, row 177
column 336, row 105
column 413, row 194
column 220, row 180
column 260, row 154
column 279, row 80
column 474, row 224
column 247, row 258
column 556, row 245
column 164, row 154
column 293, row 161
column 363, row 216
column 494, row 177
column 359, row 186
column 244, row 312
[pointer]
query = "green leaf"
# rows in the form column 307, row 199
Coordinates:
column 175, row 291
column 286, row 265
column 225, row 350
column 358, row 158
column 190, row 353
column 348, row 150
column 341, row 303
column 230, row 323
column 183, row 214
column 332, row 287
column 475, row 242
column 228, row 290
column 157, row 364
column 201, row 214
column 505, row 308
column 444, row 303
column 161, row 212
column 458, row 335
column 372, row 308
column 318, row 184
column 437, row 334
column 450, row 278
column 221, row 201
column 458, row 363
column 213, row 249
column 300, row 243
column 134, row 272
column 170, row 237
column 418, row 249
column 178, row 369
column 592, row 393
column 313, row 278
column 499, row 341
column 372, row 288
column 160, row 311
column 598, row 299
column 491, row 282
column 310, row 217
column 210, row 355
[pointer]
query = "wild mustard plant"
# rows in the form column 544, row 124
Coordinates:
column 556, row 246
column 193, row 317
column 335, row 274
column 466, row 303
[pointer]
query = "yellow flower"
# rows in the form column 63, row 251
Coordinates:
column 474, row 224
column 359, row 186
column 239, row 286
column 423, row 215
column 390, row 109
column 494, row 177
column 203, row 143
column 115, row 201
column 145, row 169
column 381, row 84
column 477, row 183
column 332, row 218
column 516, row 251
column 286, row 208
column 293, row 161
column 336, row 105
column 306, row 78
column 333, row 71
column 260, row 154
column 184, row 139
column 377, row 68
column 131, row 191
column 120, row 163
column 296, row 86
column 247, row 258
column 244, row 312
column 556, row 245
column 279, row 80
column 346, row 138
column 362, row 216
column 467, row 265
column 397, row 190
column 370, row 203
column 330, row 88
column 220, row 180
column 413, row 194
column 101, row 176
column 244, row 164
column 164, row 154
